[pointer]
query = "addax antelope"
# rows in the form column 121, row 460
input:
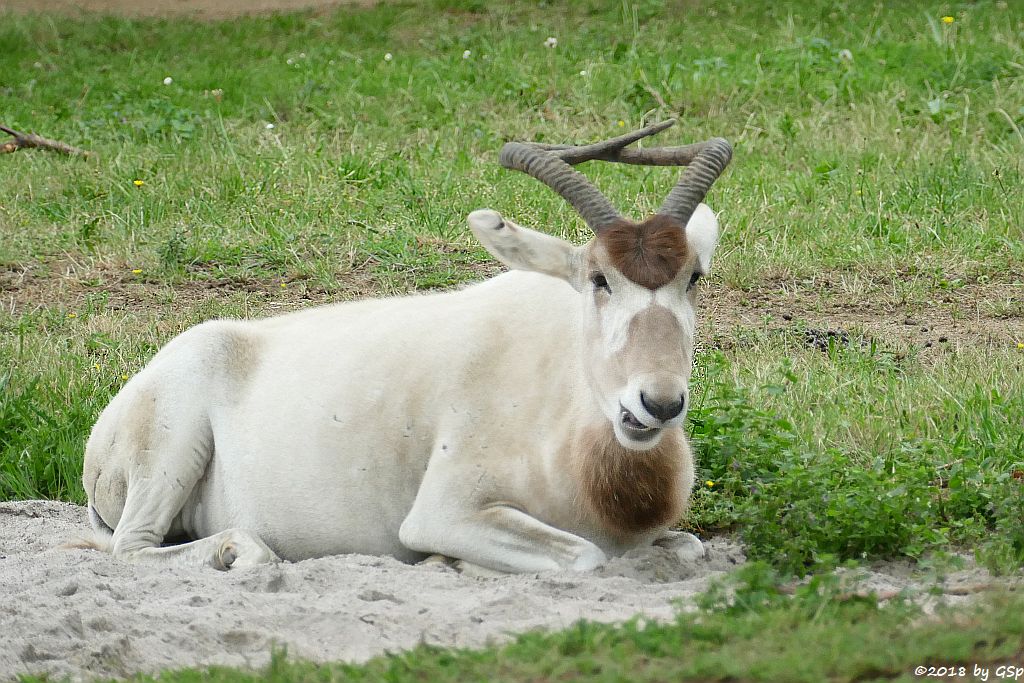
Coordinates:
column 530, row 422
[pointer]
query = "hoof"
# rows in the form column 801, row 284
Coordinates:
column 486, row 219
column 478, row 571
column 436, row 560
column 687, row 547
column 589, row 559
column 241, row 549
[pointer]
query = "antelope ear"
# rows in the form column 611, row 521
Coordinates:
column 524, row 249
column 702, row 235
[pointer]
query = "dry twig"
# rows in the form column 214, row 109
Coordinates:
column 28, row 140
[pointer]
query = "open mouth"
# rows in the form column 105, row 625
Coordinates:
column 634, row 427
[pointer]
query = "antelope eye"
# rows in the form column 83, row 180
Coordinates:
column 693, row 280
column 600, row 282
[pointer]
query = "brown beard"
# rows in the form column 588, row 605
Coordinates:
column 630, row 491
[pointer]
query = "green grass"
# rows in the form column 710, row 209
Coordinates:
column 911, row 465
column 840, row 163
column 877, row 169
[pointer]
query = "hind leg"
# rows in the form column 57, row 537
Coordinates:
column 146, row 455
column 150, row 509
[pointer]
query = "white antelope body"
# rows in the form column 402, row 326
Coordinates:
column 529, row 422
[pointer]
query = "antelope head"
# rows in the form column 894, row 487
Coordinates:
column 637, row 281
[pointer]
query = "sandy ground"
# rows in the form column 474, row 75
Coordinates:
column 82, row 614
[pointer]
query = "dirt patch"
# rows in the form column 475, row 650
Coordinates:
column 974, row 315
column 933, row 321
column 199, row 9
column 71, row 285
column 82, row 614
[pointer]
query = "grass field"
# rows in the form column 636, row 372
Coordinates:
column 859, row 382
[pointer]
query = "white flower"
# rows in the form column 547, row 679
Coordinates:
column 302, row 55
column 583, row 73
column 388, row 57
column 845, row 55
column 551, row 42
column 289, row 61
column 466, row 54
column 270, row 126
column 168, row 80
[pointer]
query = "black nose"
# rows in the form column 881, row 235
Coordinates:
column 662, row 411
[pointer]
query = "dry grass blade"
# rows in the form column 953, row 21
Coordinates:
column 28, row 140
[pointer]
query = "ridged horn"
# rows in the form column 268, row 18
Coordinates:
column 711, row 159
column 552, row 165
column 572, row 185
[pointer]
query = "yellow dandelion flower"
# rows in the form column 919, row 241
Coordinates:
column 622, row 124
column 709, row 483
column 124, row 377
column 138, row 183
column 947, row 19
column 136, row 271
column 72, row 315
column 283, row 285
column 96, row 365
column 1020, row 346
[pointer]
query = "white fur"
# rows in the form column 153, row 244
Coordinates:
column 405, row 426
column 702, row 235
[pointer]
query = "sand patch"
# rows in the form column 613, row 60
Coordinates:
column 82, row 614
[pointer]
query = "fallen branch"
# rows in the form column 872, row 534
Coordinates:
column 28, row 140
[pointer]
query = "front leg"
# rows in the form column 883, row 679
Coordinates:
column 498, row 537
column 687, row 547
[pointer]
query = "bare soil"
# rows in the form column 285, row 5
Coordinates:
column 974, row 315
column 199, row 9
column 82, row 614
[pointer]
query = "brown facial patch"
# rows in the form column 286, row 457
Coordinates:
column 649, row 253
column 630, row 492
column 655, row 342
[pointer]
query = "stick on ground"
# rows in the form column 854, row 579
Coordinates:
column 27, row 140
